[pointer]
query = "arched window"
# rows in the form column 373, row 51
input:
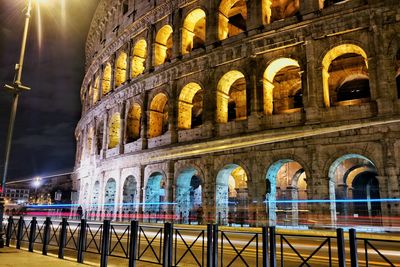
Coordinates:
column 109, row 195
column 139, row 58
column 114, row 130
column 96, row 90
column 232, row 18
column 194, row 31
column 106, row 83
column 231, row 97
column 273, row 10
column 133, row 123
column 163, row 45
column 120, row 69
column 158, row 121
column 190, row 106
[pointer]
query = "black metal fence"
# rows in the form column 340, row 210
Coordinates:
column 179, row 246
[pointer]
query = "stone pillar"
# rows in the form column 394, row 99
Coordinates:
column 173, row 112
column 212, row 23
column 112, row 63
column 150, row 41
column 105, row 136
column 177, row 22
column 141, row 190
column 129, row 58
column 310, row 6
column 144, row 121
column 122, row 129
column 254, row 15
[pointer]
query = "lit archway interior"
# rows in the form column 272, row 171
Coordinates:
column 273, row 10
column 345, row 76
column 96, row 90
column 95, row 196
column 282, row 87
column 129, row 194
column 158, row 120
column 120, row 69
column 106, row 82
column 194, row 31
column 231, row 97
column 139, row 55
column 353, row 177
column 232, row 18
column 190, row 106
column 231, row 195
column 286, row 180
column 155, row 193
column 114, row 130
column 188, row 194
column 109, row 195
column 133, row 123
column 163, row 45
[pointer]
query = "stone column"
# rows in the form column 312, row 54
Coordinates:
column 144, row 121
column 212, row 23
column 254, row 15
column 310, row 6
column 141, row 189
column 105, row 136
column 173, row 112
column 122, row 130
column 176, row 34
column 150, row 41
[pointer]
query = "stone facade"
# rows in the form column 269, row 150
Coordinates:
column 242, row 108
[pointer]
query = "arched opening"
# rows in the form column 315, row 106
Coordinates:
column 133, row 123
column 194, row 31
column 285, row 190
column 273, row 10
column 190, row 106
column 345, row 76
column 231, row 97
column 163, row 45
column 155, row 193
column 139, row 55
column 282, row 87
column 106, row 83
column 232, row 18
column 188, row 195
column 109, row 195
column 354, row 190
column 231, row 195
column 114, row 131
column 96, row 90
column 158, row 120
column 120, row 69
column 95, row 198
column 129, row 194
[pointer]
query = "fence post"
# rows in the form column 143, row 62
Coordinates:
column 167, row 255
column 265, row 246
column 63, row 238
column 215, row 246
column 20, row 231
column 105, row 243
column 353, row 247
column 209, row 245
column 341, row 249
column 272, row 246
column 9, row 230
column 32, row 234
column 133, row 243
column 46, row 235
column 81, row 241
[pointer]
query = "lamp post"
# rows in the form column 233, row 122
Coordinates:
column 16, row 88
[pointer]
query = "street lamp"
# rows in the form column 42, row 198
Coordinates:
column 36, row 183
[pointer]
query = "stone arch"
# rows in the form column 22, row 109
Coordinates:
column 139, row 55
column 95, row 196
column 155, row 193
column 194, row 31
column 106, row 82
column 338, row 64
column 96, row 88
column 231, row 97
column 158, row 119
column 133, row 123
column 273, row 10
column 109, row 195
column 129, row 193
column 114, row 130
column 120, row 69
column 232, row 18
column 281, row 84
column 163, row 45
column 190, row 106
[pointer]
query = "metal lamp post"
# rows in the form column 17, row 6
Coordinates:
column 16, row 88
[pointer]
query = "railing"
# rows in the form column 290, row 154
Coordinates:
column 179, row 246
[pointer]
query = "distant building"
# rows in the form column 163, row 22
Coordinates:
column 16, row 195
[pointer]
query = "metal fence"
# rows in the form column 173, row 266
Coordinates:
column 187, row 246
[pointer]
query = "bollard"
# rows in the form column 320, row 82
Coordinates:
column 20, row 230
column 32, row 234
column 353, row 247
column 167, row 253
column 63, row 238
column 46, row 235
column 215, row 246
column 9, row 230
column 81, row 241
column 265, row 246
column 105, row 243
column 341, row 249
column 209, row 245
column 133, row 243
column 272, row 248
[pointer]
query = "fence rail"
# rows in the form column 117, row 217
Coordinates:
column 179, row 246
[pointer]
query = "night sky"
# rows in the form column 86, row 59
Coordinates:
column 43, row 140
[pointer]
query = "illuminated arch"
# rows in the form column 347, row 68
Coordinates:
column 129, row 194
column 114, row 131
column 158, row 120
column 120, row 69
column 163, row 45
column 109, row 195
column 106, row 82
column 333, row 54
column 133, row 123
column 190, row 103
column 232, row 18
column 226, row 96
column 95, row 195
column 96, row 87
column 282, row 66
column 154, row 193
column 193, row 31
column 139, row 55
column 273, row 10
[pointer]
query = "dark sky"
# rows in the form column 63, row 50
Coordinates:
column 43, row 140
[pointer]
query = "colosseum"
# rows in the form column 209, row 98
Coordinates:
column 254, row 112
